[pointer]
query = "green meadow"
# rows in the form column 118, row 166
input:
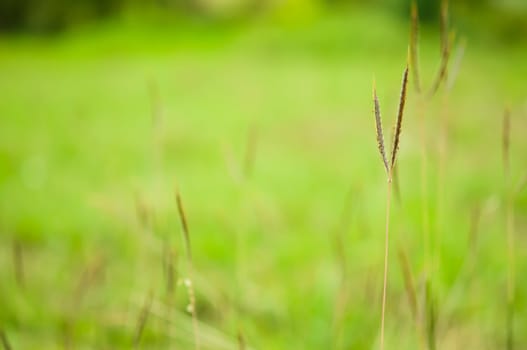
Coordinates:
column 267, row 132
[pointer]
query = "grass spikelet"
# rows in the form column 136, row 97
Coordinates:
column 399, row 121
column 414, row 38
column 378, row 127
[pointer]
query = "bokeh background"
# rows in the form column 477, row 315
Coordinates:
column 259, row 112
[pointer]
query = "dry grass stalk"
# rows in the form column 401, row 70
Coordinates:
column 509, row 214
column 409, row 285
column 414, row 50
column 143, row 212
column 18, row 262
column 142, row 319
column 386, row 252
column 430, row 316
column 5, row 342
column 474, row 229
column 184, row 225
column 389, row 170
column 396, row 184
column 425, row 205
column 155, row 103
column 170, row 269
column 423, row 139
column 446, row 44
column 192, row 310
column 463, row 276
column 241, row 341
column 170, row 273
column 443, row 25
column 92, row 272
column 456, row 63
column 522, row 184
column 250, row 152
column 506, row 131
column 339, row 245
column 188, row 282
column 411, row 293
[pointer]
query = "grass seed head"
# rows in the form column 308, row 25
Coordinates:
column 399, row 120
column 378, row 126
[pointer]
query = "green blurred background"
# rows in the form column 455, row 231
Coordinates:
column 260, row 113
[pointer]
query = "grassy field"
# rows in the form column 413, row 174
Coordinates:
column 268, row 134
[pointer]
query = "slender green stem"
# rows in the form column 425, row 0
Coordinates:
column 510, row 268
column 386, row 251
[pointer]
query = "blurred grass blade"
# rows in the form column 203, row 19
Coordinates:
column 414, row 46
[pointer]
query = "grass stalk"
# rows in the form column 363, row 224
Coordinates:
column 445, row 50
column 430, row 316
column 4, row 341
column 18, row 262
column 188, row 282
column 411, row 294
column 386, row 252
column 414, row 50
column 389, row 167
column 339, row 244
column 142, row 320
column 509, row 217
column 250, row 152
column 241, row 341
column 170, row 258
column 170, row 273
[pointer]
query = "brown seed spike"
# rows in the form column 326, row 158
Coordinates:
column 184, row 225
column 414, row 37
column 378, row 125
column 399, row 121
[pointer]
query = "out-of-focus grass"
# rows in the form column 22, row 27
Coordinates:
column 78, row 147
